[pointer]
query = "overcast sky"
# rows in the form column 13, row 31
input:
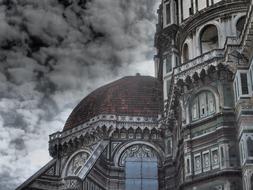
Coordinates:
column 52, row 54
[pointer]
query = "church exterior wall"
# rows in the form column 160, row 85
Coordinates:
column 202, row 138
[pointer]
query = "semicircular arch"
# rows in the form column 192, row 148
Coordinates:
column 79, row 157
column 137, row 149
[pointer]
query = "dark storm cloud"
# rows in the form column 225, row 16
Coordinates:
column 52, row 53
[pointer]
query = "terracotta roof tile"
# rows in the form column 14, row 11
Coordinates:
column 132, row 95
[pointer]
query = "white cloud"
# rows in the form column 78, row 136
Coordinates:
column 52, row 55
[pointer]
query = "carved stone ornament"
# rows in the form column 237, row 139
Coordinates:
column 72, row 184
column 77, row 163
column 137, row 151
column 51, row 171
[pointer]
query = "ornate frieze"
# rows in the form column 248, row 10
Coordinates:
column 137, row 151
column 105, row 121
column 102, row 127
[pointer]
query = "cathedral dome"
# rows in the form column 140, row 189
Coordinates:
column 129, row 96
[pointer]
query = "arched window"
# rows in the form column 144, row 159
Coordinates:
column 141, row 168
column 203, row 105
column 141, row 174
column 239, row 25
column 185, row 53
column 209, row 39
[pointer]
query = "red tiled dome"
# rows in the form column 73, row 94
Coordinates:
column 132, row 95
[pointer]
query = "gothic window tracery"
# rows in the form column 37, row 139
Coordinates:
column 137, row 151
column 203, row 105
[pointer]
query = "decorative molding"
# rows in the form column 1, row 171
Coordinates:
column 96, row 125
column 51, row 171
column 77, row 163
column 196, row 65
column 137, row 151
column 72, row 184
column 135, row 148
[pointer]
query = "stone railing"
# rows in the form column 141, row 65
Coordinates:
column 198, row 63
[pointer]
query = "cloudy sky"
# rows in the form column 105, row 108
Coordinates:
column 52, row 54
